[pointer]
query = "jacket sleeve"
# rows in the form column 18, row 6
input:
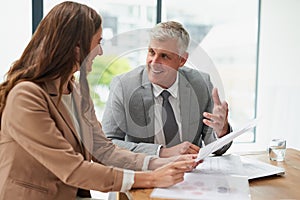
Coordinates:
column 28, row 121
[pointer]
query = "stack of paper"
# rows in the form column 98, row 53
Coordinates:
column 219, row 177
column 216, row 178
column 203, row 186
column 257, row 169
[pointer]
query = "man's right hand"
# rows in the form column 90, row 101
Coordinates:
column 180, row 149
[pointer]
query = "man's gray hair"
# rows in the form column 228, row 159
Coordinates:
column 171, row 30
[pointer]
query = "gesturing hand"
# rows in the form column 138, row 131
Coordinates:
column 218, row 119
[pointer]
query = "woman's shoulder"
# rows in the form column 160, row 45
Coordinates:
column 27, row 94
column 26, row 87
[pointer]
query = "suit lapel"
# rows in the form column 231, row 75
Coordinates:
column 148, row 105
column 187, row 108
column 53, row 92
column 84, row 126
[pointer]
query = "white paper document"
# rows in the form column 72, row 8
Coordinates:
column 215, row 178
column 232, row 164
column 203, row 186
column 212, row 147
column 256, row 169
column 219, row 177
column 221, row 165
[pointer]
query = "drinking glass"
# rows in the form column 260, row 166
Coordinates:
column 277, row 149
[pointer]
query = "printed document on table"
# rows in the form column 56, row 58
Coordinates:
column 256, row 169
column 232, row 164
column 224, row 165
column 206, row 186
column 216, row 178
column 212, row 147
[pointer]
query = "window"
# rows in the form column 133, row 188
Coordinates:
column 223, row 32
column 227, row 32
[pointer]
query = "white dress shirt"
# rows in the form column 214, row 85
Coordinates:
column 159, row 137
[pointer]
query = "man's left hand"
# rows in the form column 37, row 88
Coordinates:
column 218, row 119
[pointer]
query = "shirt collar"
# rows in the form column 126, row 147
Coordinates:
column 157, row 90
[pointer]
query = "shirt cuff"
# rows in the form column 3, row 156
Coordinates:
column 128, row 180
column 215, row 134
column 158, row 150
column 146, row 162
column 228, row 131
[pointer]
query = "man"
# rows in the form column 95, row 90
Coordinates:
column 141, row 117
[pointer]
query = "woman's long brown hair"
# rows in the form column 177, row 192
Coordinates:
column 51, row 53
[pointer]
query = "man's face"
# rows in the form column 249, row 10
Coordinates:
column 163, row 62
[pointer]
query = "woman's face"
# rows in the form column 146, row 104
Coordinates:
column 95, row 49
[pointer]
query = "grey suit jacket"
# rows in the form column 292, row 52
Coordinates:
column 129, row 114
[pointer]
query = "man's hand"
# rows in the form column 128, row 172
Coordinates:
column 218, row 120
column 180, row 149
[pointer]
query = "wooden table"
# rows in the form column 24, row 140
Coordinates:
column 280, row 187
column 268, row 188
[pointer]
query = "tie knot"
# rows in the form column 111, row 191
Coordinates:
column 165, row 95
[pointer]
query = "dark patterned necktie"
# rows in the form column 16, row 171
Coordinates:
column 170, row 126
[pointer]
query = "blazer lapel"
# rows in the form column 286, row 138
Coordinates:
column 188, row 108
column 86, row 136
column 53, row 92
column 148, row 104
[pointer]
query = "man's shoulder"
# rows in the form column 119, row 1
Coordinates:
column 194, row 74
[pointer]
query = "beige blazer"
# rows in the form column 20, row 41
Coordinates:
column 42, row 156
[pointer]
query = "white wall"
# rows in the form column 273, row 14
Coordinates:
column 15, row 32
column 279, row 72
column 278, row 76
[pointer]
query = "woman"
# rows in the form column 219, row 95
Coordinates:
column 49, row 131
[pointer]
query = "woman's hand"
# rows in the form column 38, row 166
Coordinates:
column 158, row 162
column 164, row 176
